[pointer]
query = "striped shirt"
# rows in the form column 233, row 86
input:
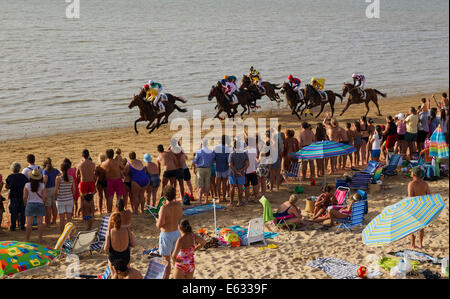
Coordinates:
column 65, row 190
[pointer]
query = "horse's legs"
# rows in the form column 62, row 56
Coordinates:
column 331, row 102
column 294, row 111
column 345, row 108
column 245, row 109
column 322, row 105
column 135, row 124
column 367, row 107
column 376, row 104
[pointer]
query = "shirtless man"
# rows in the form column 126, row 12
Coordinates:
column 334, row 133
column 167, row 162
column 86, row 177
column 306, row 138
column 417, row 187
column 183, row 174
column 170, row 215
column 114, row 182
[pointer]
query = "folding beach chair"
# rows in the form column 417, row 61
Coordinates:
column 106, row 274
column 356, row 218
column 97, row 245
column 256, row 231
column 360, row 180
column 341, row 195
column 156, row 268
column 154, row 211
column 392, row 166
column 293, row 172
column 83, row 242
column 269, row 216
column 363, row 195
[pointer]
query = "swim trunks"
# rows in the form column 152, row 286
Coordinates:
column 115, row 186
column 170, row 174
column 167, row 242
column 87, row 187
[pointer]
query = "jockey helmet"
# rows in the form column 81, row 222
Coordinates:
column 251, row 68
column 313, row 79
column 150, row 82
column 354, row 75
column 146, row 86
column 290, row 77
column 225, row 77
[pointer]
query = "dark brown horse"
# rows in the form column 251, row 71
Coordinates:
column 146, row 110
column 355, row 97
column 245, row 99
column 313, row 98
column 270, row 89
column 292, row 98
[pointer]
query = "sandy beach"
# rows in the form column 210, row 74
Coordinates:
column 294, row 249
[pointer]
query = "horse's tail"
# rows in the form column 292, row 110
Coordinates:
column 380, row 93
column 180, row 99
column 339, row 96
column 179, row 109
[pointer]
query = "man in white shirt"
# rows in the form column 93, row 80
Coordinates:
column 27, row 170
column 251, row 178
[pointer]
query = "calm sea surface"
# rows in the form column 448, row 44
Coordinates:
column 60, row 75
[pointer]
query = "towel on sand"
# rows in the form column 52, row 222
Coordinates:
column 390, row 262
column 243, row 232
column 417, row 256
column 201, row 209
column 339, row 269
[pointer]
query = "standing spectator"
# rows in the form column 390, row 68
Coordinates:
column 263, row 169
column 73, row 173
column 375, row 142
column 334, row 134
column 417, row 187
column 114, row 184
column 401, row 132
column 100, row 178
column 443, row 119
column 86, row 175
column 251, row 178
column 186, row 173
column 221, row 153
column 15, row 183
column 434, row 121
column 2, row 208
column 357, row 143
column 276, row 141
column 422, row 129
column 444, row 101
column 343, row 138
column 170, row 215
column 139, row 182
column 34, row 197
column 50, row 173
column 321, row 135
column 371, row 129
column 238, row 162
column 31, row 160
column 351, row 135
column 202, row 168
column 181, row 164
column 291, row 145
column 63, row 192
column 306, row 138
column 155, row 180
column 167, row 162
column 365, row 134
column 390, row 132
column 411, row 130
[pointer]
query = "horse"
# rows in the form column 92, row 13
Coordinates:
column 355, row 97
column 313, row 98
column 146, row 110
column 292, row 98
column 269, row 88
column 223, row 104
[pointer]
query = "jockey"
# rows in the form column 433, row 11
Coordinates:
column 359, row 81
column 318, row 85
column 255, row 77
column 154, row 92
column 295, row 84
column 226, row 88
column 230, row 86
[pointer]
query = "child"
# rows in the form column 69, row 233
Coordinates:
column 325, row 200
column 183, row 254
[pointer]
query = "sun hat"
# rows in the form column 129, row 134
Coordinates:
column 400, row 116
column 147, row 158
column 35, row 175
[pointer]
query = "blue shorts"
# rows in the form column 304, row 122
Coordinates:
column 35, row 209
column 237, row 181
column 167, row 242
column 376, row 153
column 223, row 174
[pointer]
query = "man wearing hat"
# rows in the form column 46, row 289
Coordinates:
column 35, row 197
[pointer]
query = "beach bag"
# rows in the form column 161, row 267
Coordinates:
column 186, row 200
column 262, row 170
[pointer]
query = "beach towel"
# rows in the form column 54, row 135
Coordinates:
column 201, row 209
column 417, row 256
column 243, row 232
column 340, row 269
column 389, row 262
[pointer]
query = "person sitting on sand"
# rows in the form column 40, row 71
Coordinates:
column 325, row 200
column 183, row 254
column 124, row 271
column 343, row 213
column 288, row 208
column 417, row 187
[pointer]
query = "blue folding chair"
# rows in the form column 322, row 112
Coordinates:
column 356, row 218
column 392, row 166
column 364, row 198
column 101, row 234
column 360, row 180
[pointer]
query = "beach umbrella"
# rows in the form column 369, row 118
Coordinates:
column 17, row 257
column 324, row 149
column 438, row 146
column 402, row 219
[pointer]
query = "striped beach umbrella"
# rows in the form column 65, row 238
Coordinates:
column 402, row 219
column 324, row 149
column 438, row 146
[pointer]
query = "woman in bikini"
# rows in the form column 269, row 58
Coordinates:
column 289, row 208
column 183, row 254
column 343, row 213
column 325, row 200
column 139, row 182
column 118, row 242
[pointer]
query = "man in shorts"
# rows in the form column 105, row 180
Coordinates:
column 114, row 183
column 86, row 177
column 170, row 215
column 238, row 162
column 417, row 187
column 251, row 178
column 221, row 153
column 167, row 162
column 412, row 122
column 202, row 162
column 183, row 174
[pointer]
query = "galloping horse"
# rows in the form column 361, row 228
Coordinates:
column 244, row 99
column 313, row 98
column 292, row 98
column 269, row 87
column 355, row 97
column 148, row 111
